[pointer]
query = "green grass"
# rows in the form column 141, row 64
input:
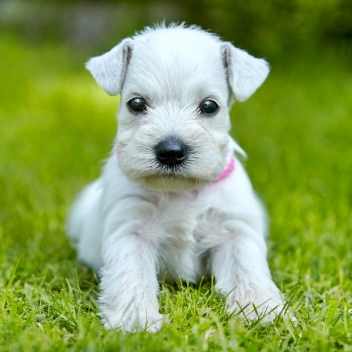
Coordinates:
column 56, row 128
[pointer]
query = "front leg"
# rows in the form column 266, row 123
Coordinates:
column 242, row 275
column 238, row 262
column 129, row 285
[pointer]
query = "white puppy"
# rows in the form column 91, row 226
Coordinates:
column 174, row 200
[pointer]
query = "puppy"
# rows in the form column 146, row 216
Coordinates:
column 174, row 199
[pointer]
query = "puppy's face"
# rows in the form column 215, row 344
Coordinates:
column 176, row 85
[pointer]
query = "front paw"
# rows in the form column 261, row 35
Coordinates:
column 253, row 301
column 133, row 316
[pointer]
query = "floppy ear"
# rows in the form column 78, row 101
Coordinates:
column 245, row 73
column 109, row 69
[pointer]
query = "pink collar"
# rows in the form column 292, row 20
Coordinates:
column 228, row 170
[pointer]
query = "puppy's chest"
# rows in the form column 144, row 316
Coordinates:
column 179, row 228
column 175, row 221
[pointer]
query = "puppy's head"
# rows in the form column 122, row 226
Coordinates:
column 176, row 85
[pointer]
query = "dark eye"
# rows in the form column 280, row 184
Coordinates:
column 137, row 105
column 208, row 107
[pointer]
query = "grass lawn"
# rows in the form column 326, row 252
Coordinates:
column 56, row 128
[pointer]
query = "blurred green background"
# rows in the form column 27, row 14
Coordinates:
column 57, row 127
column 272, row 28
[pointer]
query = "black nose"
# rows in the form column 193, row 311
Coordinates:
column 171, row 151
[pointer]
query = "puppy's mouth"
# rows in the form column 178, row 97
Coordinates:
column 173, row 176
column 171, row 181
column 171, row 170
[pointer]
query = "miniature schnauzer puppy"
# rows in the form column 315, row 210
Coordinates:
column 174, row 200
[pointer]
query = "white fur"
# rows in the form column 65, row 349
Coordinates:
column 137, row 222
